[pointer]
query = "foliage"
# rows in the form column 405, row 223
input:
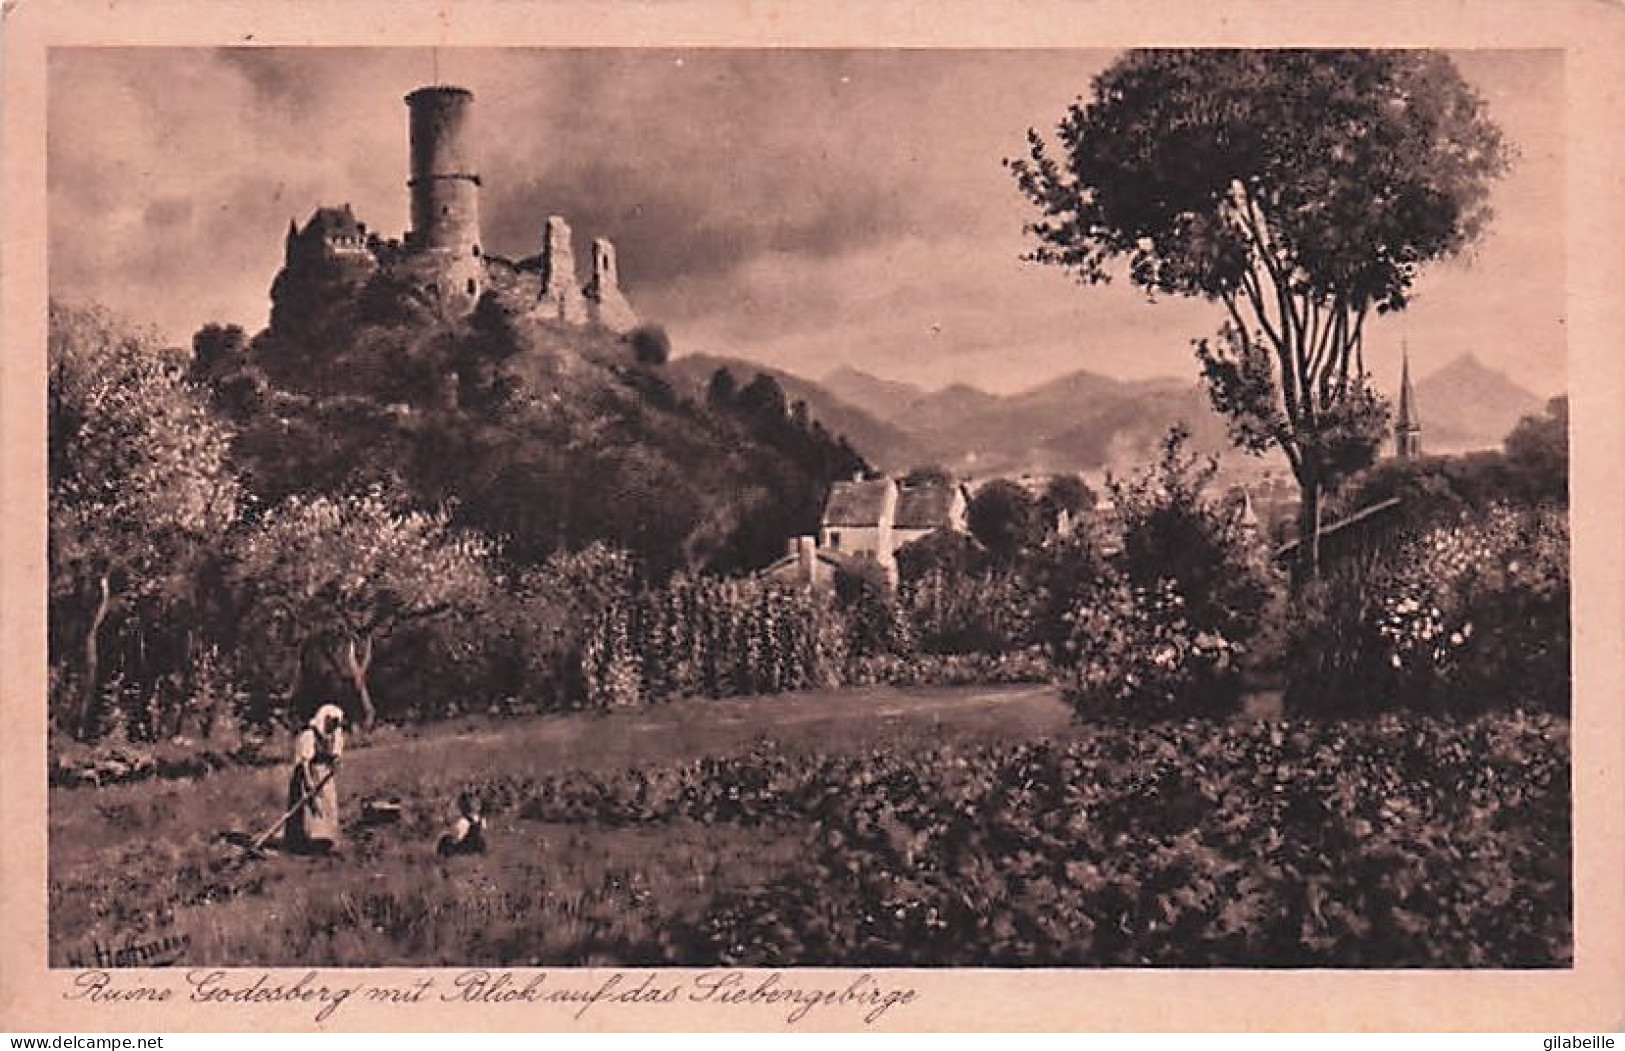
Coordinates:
column 1401, row 843
column 1137, row 651
column 650, row 344
column 1302, row 189
column 1462, row 616
column 1531, row 470
column 1067, row 575
column 1005, row 519
column 990, row 612
column 342, row 575
column 662, row 837
column 703, row 636
column 140, row 496
column 1065, row 494
column 1010, row 667
column 1165, row 631
column 944, row 551
column 539, row 435
column 1537, row 453
column 875, row 623
column 556, row 609
column 722, row 388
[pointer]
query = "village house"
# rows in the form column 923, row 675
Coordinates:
column 874, row 517
column 869, row 519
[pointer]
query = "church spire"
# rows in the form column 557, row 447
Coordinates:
column 1408, row 430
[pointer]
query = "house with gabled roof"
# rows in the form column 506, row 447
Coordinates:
column 858, row 520
column 927, row 507
column 873, row 517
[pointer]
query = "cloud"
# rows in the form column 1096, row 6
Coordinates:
column 811, row 207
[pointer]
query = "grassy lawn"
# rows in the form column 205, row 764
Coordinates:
column 141, row 862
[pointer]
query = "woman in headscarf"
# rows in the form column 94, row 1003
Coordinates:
column 312, row 788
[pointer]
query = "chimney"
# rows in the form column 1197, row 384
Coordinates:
column 808, row 559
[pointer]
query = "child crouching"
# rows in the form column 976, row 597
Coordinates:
column 467, row 835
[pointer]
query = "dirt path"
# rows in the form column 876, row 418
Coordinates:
column 736, row 722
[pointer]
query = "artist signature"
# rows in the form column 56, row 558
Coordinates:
column 156, row 952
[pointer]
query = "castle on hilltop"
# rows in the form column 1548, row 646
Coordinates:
column 441, row 260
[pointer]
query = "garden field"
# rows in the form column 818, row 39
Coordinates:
column 875, row 827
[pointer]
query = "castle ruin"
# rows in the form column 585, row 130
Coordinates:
column 441, row 259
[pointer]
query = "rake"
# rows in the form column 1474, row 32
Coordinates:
column 254, row 848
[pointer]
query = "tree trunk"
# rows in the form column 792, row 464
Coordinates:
column 1309, row 529
column 357, row 661
column 87, row 702
column 189, row 685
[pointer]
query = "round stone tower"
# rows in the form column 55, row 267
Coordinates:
column 445, row 186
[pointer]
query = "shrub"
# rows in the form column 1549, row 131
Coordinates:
column 569, row 626
column 1137, row 652
column 1183, row 592
column 988, row 612
column 650, row 344
column 875, row 624
column 1459, row 617
column 951, row 669
column 1068, row 573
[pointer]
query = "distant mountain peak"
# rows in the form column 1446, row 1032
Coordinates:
column 1468, row 404
column 1466, row 362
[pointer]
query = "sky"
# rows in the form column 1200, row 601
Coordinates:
column 807, row 209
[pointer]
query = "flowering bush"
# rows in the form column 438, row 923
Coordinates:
column 1467, row 615
column 1183, row 590
column 1137, row 652
column 1482, row 606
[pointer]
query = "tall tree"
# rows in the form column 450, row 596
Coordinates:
column 1302, row 190
column 1006, row 519
column 140, row 491
column 342, row 574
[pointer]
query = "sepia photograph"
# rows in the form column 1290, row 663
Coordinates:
column 604, row 522
column 829, row 508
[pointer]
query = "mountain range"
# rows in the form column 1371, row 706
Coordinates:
column 1081, row 421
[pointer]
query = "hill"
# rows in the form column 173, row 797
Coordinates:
column 870, row 393
column 1467, row 405
column 883, row 443
column 546, row 436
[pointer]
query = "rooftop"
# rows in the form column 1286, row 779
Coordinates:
column 857, row 503
column 927, row 506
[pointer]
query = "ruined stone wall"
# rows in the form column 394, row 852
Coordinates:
column 605, row 303
column 561, row 298
column 441, row 259
column 449, row 279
